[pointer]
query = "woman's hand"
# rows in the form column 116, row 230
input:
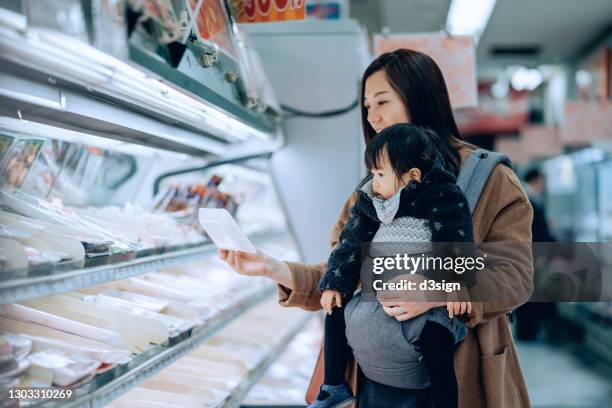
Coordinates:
column 329, row 299
column 258, row 264
column 245, row 263
column 406, row 304
column 403, row 311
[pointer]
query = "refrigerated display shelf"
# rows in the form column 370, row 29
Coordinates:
column 238, row 394
column 73, row 276
column 52, row 78
column 147, row 365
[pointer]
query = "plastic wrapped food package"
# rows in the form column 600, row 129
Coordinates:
column 49, row 174
column 136, row 331
column 18, row 162
column 34, row 329
column 233, row 357
column 13, row 256
column 13, row 347
column 128, row 402
column 250, row 353
column 104, row 355
column 147, row 228
column 201, row 370
column 11, row 370
column 54, row 214
column 62, row 367
column 191, row 309
column 8, row 232
column 29, row 314
column 220, row 290
column 174, row 325
column 40, row 247
column 147, row 394
column 146, row 302
column 83, row 349
column 182, row 283
column 93, row 244
column 39, row 257
column 13, row 358
column 228, row 369
column 5, row 145
column 209, row 396
column 79, row 323
column 155, row 289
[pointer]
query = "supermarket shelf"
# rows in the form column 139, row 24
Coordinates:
column 69, row 278
column 238, row 394
column 52, row 78
column 162, row 356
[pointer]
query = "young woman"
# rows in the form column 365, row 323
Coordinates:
column 407, row 86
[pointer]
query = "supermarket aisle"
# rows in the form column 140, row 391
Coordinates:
column 558, row 377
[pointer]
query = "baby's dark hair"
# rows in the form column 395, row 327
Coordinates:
column 407, row 146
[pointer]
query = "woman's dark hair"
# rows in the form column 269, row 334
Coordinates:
column 419, row 82
column 407, row 146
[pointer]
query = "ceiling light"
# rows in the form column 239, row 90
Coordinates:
column 469, row 17
column 526, row 79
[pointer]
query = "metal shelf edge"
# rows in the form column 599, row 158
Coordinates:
column 24, row 289
column 31, row 288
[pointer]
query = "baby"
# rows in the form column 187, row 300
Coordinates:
column 410, row 199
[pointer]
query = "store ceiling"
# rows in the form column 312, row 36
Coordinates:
column 540, row 31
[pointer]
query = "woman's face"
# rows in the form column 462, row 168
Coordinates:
column 383, row 104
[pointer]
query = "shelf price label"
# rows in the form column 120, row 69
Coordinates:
column 262, row 11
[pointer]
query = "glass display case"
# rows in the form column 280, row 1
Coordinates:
column 106, row 277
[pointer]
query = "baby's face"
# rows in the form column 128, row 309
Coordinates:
column 384, row 181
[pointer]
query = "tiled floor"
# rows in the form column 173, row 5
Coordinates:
column 558, row 378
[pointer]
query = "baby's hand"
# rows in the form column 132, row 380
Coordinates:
column 329, row 298
column 458, row 308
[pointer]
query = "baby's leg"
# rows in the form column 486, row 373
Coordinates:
column 438, row 347
column 336, row 349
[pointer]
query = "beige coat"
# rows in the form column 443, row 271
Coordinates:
column 486, row 363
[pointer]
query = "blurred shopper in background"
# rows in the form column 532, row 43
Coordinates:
column 530, row 315
column 534, row 186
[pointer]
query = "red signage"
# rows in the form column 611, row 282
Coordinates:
column 260, row 11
